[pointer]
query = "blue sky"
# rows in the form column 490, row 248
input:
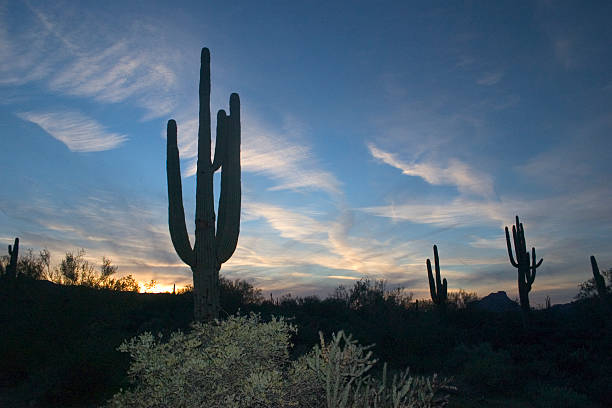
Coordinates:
column 370, row 131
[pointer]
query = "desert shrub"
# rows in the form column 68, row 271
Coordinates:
column 550, row 396
column 242, row 363
column 237, row 293
column 234, row 363
column 485, row 369
column 373, row 296
column 460, row 299
column 28, row 265
column 75, row 270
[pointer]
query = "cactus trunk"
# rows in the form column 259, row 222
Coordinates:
column 212, row 247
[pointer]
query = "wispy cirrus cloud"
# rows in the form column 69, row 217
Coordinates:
column 490, row 78
column 115, row 74
column 273, row 153
column 290, row 224
column 77, row 131
column 328, row 244
column 456, row 173
column 115, row 67
column 290, row 164
column 458, row 212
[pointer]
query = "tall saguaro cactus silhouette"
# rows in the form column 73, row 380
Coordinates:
column 526, row 266
column 11, row 268
column 212, row 247
column 600, row 284
column 437, row 288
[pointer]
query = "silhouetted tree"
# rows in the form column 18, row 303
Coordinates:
column 342, row 295
column 31, row 266
column 75, row 270
column 238, row 292
column 373, row 296
column 460, row 299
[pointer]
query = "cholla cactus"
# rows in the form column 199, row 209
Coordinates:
column 341, row 373
column 526, row 266
column 437, row 288
column 211, row 248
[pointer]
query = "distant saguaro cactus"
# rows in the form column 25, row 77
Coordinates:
column 211, row 248
column 437, row 288
column 600, row 283
column 11, row 268
column 526, row 266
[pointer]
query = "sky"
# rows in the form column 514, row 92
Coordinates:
column 371, row 130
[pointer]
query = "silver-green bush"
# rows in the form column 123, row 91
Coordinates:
column 241, row 362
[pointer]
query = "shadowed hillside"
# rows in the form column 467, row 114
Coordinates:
column 59, row 346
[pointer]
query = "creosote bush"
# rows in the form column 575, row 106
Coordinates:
column 241, row 362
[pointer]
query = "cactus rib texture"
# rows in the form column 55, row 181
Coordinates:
column 212, row 246
column 437, row 288
column 525, row 264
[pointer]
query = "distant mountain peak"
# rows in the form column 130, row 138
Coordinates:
column 497, row 302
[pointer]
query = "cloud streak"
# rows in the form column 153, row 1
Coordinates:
column 490, row 78
column 108, row 70
column 457, row 173
column 269, row 152
column 79, row 132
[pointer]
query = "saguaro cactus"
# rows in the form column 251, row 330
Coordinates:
column 11, row 268
column 600, row 284
column 437, row 288
column 212, row 247
column 526, row 266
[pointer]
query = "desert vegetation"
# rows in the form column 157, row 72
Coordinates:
column 74, row 343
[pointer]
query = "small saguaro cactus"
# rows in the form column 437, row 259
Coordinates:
column 211, row 248
column 11, row 268
column 437, row 288
column 526, row 266
column 600, row 283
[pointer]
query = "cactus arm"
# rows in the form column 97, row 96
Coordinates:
column 432, row 283
column 600, row 283
column 437, row 288
column 444, row 289
column 176, row 213
column 13, row 251
column 509, row 245
column 533, row 259
column 220, row 141
column 594, row 266
column 228, row 224
column 518, row 244
column 437, row 265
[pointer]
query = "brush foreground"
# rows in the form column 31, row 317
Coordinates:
column 60, row 345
